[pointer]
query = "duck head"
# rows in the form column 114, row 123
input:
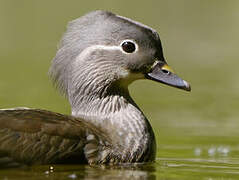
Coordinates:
column 101, row 50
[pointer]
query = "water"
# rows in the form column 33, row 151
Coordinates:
column 163, row 168
column 197, row 133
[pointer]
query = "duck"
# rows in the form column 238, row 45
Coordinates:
column 99, row 56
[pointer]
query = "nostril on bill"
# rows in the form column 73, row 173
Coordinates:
column 165, row 71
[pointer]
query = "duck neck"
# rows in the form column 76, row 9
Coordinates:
column 114, row 111
column 102, row 101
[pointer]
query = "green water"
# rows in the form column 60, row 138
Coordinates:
column 197, row 133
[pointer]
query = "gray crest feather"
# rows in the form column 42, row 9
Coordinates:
column 77, row 31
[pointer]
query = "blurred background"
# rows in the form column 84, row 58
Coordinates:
column 200, row 40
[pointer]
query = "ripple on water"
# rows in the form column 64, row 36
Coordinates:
column 212, row 151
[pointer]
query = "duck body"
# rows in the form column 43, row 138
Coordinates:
column 33, row 136
column 99, row 56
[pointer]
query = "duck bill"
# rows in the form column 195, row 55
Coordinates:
column 161, row 72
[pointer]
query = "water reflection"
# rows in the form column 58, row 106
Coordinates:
column 163, row 168
column 136, row 171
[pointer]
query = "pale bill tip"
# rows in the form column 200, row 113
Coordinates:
column 187, row 86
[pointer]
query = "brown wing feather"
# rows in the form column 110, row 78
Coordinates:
column 33, row 136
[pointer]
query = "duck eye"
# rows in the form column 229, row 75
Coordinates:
column 128, row 46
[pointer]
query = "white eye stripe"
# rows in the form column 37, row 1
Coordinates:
column 91, row 49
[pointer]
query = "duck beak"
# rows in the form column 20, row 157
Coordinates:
column 161, row 72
